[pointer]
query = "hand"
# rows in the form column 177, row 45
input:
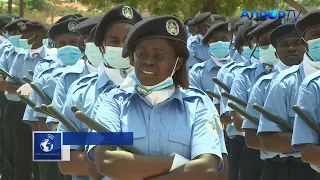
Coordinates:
column 227, row 119
column 25, row 89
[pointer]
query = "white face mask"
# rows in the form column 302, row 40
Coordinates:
column 221, row 61
column 268, row 55
column 113, row 57
column 128, row 82
column 310, row 66
column 93, row 54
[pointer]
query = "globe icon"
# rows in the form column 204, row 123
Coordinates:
column 46, row 145
column 272, row 14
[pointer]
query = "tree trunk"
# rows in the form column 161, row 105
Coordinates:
column 209, row 6
column 21, row 8
column 297, row 6
column 10, row 6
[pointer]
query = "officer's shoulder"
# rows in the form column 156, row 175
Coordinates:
column 120, row 94
column 72, row 70
column 198, row 66
column 313, row 78
column 287, row 73
column 192, row 93
column 247, row 69
column 87, row 78
column 48, row 58
column 265, row 79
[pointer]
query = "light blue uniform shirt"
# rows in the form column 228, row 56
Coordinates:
column 280, row 100
column 309, row 102
column 196, row 47
column 177, row 125
column 20, row 67
column 42, row 66
column 67, row 78
column 5, row 44
column 84, row 94
column 7, row 58
column 201, row 74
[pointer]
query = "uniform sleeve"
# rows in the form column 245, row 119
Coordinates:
column 67, row 112
column 218, row 89
column 194, row 79
column 29, row 112
column 4, row 62
column 276, row 102
column 40, row 83
column 110, row 120
column 205, row 138
column 307, row 101
column 15, row 68
column 255, row 97
column 224, row 101
column 239, row 90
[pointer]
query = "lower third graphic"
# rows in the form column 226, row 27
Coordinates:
column 47, row 146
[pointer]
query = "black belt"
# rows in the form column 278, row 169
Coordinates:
column 16, row 102
column 287, row 160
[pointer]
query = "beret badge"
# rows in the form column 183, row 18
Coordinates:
column 172, row 27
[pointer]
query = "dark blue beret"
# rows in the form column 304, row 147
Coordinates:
column 5, row 19
column 204, row 16
column 161, row 27
column 84, row 28
column 246, row 35
column 239, row 41
column 233, row 21
column 308, row 21
column 16, row 24
column 265, row 26
column 32, row 26
column 240, row 23
column 217, row 26
column 78, row 15
column 64, row 27
column 118, row 14
column 66, row 17
column 81, row 19
column 282, row 31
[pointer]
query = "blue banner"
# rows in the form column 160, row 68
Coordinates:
column 47, row 146
column 97, row 138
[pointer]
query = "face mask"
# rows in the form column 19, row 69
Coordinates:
column 69, row 55
column 15, row 40
column 246, row 52
column 24, row 44
column 268, row 56
column 93, row 54
column 219, row 49
column 314, row 49
column 6, row 34
column 113, row 57
column 146, row 90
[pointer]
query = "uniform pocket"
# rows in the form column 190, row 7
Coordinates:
column 179, row 142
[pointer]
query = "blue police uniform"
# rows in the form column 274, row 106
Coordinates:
column 4, row 45
column 7, row 58
column 280, row 100
column 167, row 134
column 308, row 100
column 196, row 47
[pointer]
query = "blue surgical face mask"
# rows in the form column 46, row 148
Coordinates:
column 146, row 90
column 314, row 49
column 220, row 49
column 15, row 40
column 24, row 44
column 113, row 57
column 93, row 54
column 6, row 34
column 256, row 52
column 267, row 55
column 246, row 52
column 69, row 55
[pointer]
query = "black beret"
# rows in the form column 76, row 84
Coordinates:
column 32, row 26
column 239, row 41
column 240, row 23
column 246, row 35
column 16, row 24
column 81, row 19
column 118, row 14
column 78, row 15
column 233, row 21
column 92, row 32
column 217, row 25
column 66, row 17
column 200, row 18
column 186, row 21
column 64, row 27
column 162, row 27
column 47, row 26
column 308, row 21
column 265, row 26
column 84, row 28
column 282, row 31
column 5, row 19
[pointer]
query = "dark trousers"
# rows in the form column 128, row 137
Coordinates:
column 271, row 169
column 296, row 170
column 234, row 147
column 3, row 102
column 50, row 171
column 250, row 164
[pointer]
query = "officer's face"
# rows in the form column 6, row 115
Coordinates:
column 154, row 60
column 66, row 39
column 116, row 34
column 220, row 36
column 290, row 51
column 263, row 39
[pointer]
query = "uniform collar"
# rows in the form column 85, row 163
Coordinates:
column 199, row 39
column 176, row 95
column 260, row 68
column 43, row 53
column 210, row 64
column 103, row 80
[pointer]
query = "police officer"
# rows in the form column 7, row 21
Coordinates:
column 233, row 21
column 4, row 20
column 201, row 24
column 241, row 88
column 284, row 90
column 187, row 26
column 289, row 50
column 89, row 87
column 154, row 45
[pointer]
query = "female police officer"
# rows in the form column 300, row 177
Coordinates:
column 164, row 118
